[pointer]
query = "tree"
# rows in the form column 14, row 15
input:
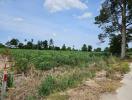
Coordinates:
column 51, row 44
column 21, row 46
column 56, row 48
column 45, row 44
column 39, row 45
column 73, row 48
column 97, row 50
column 63, row 47
column 29, row 45
column 106, row 49
column 89, row 48
column 2, row 45
column 116, row 17
column 69, row 48
column 13, row 43
column 84, row 47
column 115, row 45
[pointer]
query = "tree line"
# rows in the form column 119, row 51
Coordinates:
column 44, row 45
column 114, row 45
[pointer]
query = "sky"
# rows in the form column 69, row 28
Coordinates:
column 69, row 22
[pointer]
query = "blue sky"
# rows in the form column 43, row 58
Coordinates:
column 69, row 22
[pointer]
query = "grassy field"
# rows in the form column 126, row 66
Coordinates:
column 76, row 66
column 46, row 60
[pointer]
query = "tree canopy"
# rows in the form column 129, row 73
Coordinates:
column 116, row 18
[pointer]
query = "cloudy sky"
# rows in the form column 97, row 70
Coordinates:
column 66, row 21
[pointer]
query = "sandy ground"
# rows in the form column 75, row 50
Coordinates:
column 124, row 92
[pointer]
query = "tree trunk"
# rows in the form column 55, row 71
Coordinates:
column 123, row 45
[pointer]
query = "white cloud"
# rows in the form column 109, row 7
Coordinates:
column 54, row 34
column 18, row 19
column 59, row 5
column 85, row 15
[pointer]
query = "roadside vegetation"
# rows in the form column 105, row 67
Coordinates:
column 57, row 71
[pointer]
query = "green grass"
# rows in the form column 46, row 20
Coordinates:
column 46, row 59
column 53, row 84
column 86, row 64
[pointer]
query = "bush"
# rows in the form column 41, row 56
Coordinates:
column 124, row 68
column 22, row 65
column 10, row 80
column 47, row 86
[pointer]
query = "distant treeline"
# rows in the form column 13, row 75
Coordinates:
column 114, row 48
column 44, row 45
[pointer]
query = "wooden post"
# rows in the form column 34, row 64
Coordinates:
column 4, row 84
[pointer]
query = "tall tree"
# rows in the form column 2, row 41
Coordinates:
column 116, row 17
column 2, row 45
column 97, row 50
column 106, row 49
column 13, row 43
column 63, row 47
column 84, row 47
column 45, row 44
column 39, row 45
column 69, row 48
column 20, row 45
column 89, row 48
column 115, row 44
column 29, row 45
column 51, row 44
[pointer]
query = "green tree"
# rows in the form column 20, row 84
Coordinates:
column 97, row 50
column 69, row 48
column 56, row 48
column 106, row 49
column 45, row 44
column 51, row 44
column 115, row 44
column 116, row 17
column 89, row 48
column 2, row 45
column 13, row 43
column 39, row 45
column 29, row 45
column 21, row 45
column 84, row 47
column 63, row 47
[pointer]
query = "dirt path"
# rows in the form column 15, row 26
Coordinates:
column 124, row 92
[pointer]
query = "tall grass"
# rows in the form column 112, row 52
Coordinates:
column 46, row 60
column 53, row 84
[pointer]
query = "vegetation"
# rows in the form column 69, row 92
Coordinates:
column 45, row 60
column 115, row 17
column 79, row 65
column 54, row 84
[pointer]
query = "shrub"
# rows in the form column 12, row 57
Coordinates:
column 22, row 65
column 124, row 68
column 10, row 80
column 47, row 86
